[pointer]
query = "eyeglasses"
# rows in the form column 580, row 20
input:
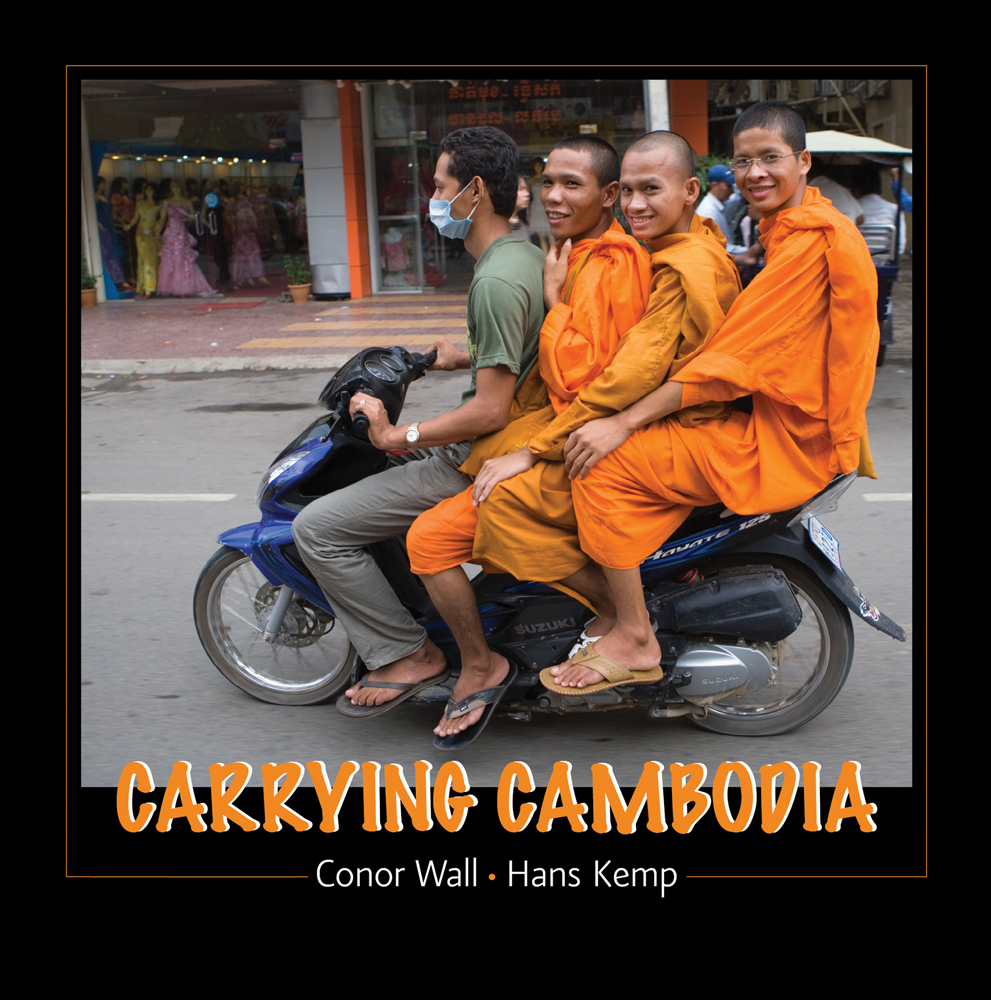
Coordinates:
column 741, row 165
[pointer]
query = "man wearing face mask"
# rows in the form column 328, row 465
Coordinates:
column 476, row 187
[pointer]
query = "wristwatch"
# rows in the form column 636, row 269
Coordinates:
column 412, row 434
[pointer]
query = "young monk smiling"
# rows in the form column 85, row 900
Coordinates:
column 525, row 522
column 609, row 278
column 802, row 338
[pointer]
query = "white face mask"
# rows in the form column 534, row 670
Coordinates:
column 440, row 216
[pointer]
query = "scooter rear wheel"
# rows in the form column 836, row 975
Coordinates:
column 309, row 662
column 810, row 666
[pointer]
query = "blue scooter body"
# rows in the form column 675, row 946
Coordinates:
column 721, row 590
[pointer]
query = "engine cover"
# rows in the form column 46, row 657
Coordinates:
column 715, row 669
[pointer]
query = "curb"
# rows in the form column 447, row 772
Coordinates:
column 283, row 362
column 176, row 366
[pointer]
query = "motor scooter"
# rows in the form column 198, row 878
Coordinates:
column 752, row 613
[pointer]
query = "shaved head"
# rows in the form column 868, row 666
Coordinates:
column 605, row 162
column 683, row 156
column 773, row 116
column 658, row 187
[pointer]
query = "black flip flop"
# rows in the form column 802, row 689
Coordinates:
column 345, row 706
column 489, row 697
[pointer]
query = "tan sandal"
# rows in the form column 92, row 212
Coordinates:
column 615, row 674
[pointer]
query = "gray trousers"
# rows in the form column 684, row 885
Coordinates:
column 331, row 534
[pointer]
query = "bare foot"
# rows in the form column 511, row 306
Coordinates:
column 426, row 662
column 632, row 654
column 592, row 633
column 468, row 683
column 600, row 625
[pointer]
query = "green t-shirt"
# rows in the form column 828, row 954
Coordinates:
column 505, row 308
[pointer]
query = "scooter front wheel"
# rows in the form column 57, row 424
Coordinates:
column 308, row 662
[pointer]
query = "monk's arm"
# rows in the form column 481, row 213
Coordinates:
column 852, row 352
column 587, row 444
column 610, row 290
column 714, row 390
column 598, row 438
column 590, row 443
column 641, row 363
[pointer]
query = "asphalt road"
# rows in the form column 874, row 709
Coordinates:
column 150, row 693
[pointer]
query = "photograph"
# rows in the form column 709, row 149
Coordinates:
column 497, row 483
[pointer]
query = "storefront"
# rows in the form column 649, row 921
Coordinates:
column 405, row 124
column 229, row 159
column 230, row 155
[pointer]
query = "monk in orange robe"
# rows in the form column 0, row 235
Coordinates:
column 608, row 282
column 526, row 524
column 802, row 338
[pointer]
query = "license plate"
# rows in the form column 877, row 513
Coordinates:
column 824, row 542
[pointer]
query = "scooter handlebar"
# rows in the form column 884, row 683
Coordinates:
column 361, row 423
column 426, row 360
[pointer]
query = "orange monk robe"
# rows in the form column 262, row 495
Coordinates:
column 605, row 294
column 527, row 525
column 803, row 339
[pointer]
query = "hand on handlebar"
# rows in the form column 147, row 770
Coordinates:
column 374, row 412
column 449, row 357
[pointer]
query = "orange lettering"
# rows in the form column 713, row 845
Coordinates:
column 720, row 796
column 222, row 798
column 608, row 800
column 688, row 804
column 397, row 791
column 452, row 774
column 276, row 809
column 774, row 813
column 370, row 795
column 849, row 785
column 139, row 772
column 810, row 774
column 560, row 785
column 331, row 797
column 180, row 786
column 520, row 772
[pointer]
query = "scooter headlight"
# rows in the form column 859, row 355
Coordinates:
column 266, row 487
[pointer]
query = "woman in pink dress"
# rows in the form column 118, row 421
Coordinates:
column 246, row 263
column 178, row 273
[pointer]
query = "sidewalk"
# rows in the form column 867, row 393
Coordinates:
column 242, row 333
column 248, row 333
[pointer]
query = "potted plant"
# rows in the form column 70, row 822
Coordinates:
column 299, row 279
column 88, row 286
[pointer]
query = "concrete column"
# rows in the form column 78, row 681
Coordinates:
column 657, row 105
column 90, row 229
column 323, row 167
